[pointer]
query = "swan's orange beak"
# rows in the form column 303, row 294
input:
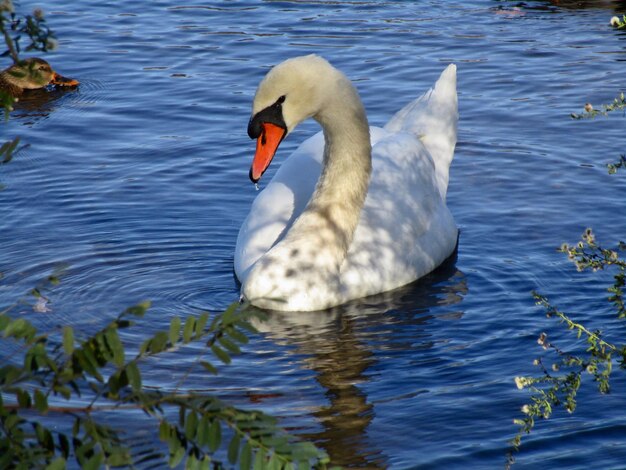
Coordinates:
column 266, row 145
column 60, row 80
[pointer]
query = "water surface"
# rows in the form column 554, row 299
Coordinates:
column 135, row 184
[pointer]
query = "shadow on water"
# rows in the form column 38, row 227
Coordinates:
column 39, row 104
column 617, row 6
column 343, row 347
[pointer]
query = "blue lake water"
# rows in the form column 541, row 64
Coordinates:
column 135, row 184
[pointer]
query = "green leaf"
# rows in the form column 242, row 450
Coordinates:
column 260, row 459
column 41, row 401
column 8, row 148
column 304, row 451
column 9, row 374
column 83, row 449
column 201, row 322
column 210, row 367
column 23, row 398
column 62, row 390
column 18, row 328
column 215, row 435
column 176, row 457
column 188, row 329
column 202, row 436
column 191, row 425
column 221, row 354
column 102, row 351
column 94, row 462
column 57, row 464
column 192, row 463
column 5, row 320
column 118, row 456
column 164, row 430
column 228, row 316
column 174, row 330
column 68, row 340
column 116, row 382
column 237, row 335
column 233, row 449
column 138, row 310
column 274, row 463
column 245, row 324
column 134, row 376
column 158, row 343
column 11, row 421
column 228, row 344
column 115, row 346
column 88, row 362
column 245, row 459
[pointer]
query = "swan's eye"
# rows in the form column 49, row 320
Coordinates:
column 281, row 100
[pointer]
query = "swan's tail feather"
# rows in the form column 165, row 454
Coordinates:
column 433, row 118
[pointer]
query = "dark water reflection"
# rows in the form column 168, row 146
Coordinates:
column 38, row 103
column 343, row 347
column 616, row 5
column 136, row 184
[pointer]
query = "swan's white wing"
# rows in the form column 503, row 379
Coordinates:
column 405, row 230
column 433, row 118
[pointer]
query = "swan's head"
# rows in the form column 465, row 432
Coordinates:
column 291, row 92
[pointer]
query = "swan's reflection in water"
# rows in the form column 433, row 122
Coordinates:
column 346, row 348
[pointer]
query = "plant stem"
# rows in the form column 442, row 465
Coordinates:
column 9, row 42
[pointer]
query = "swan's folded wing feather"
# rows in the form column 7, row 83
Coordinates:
column 405, row 229
column 433, row 117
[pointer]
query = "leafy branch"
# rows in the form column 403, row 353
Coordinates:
column 557, row 386
column 618, row 104
column 54, row 368
column 47, row 372
column 14, row 26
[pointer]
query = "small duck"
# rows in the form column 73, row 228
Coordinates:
column 31, row 74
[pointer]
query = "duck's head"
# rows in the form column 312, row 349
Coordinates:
column 292, row 91
column 34, row 73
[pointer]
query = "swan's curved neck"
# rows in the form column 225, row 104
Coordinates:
column 333, row 212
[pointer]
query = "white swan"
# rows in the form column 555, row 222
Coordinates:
column 355, row 210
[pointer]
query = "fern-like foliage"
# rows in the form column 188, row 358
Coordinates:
column 49, row 371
